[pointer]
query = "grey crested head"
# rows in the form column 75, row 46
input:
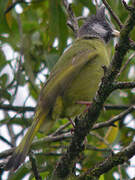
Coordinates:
column 97, row 26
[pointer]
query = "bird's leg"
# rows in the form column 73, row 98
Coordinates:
column 71, row 121
column 87, row 103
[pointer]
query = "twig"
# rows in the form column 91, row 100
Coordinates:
column 116, row 107
column 21, row 50
column 48, row 154
column 13, row 5
column 22, row 109
column 10, row 130
column 124, row 85
column 34, row 167
column 16, row 108
column 94, row 148
column 102, row 140
column 128, row 8
column 127, row 62
column 60, row 129
column 72, row 22
column 39, row 143
column 120, row 173
column 114, row 119
column 19, row 2
column 6, row 141
column 112, row 13
column 81, row 18
column 6, row 153
column 18, row 74
column 1, row 171
column 96, row 3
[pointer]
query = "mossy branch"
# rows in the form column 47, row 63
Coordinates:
column 110, row 162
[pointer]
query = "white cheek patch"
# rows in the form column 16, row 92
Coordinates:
column 99, row 29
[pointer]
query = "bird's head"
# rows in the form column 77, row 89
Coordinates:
column 98, row 26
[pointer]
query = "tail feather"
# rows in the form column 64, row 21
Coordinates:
column 22, row 150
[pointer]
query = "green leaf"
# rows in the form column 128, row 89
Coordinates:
column 18, row 121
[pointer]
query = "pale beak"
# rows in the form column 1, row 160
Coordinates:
column 115, row 33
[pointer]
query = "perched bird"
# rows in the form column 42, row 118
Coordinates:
column 75, row 77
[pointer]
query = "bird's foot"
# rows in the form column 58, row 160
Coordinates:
column 87, row 103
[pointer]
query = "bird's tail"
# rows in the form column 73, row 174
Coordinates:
column 22, row 150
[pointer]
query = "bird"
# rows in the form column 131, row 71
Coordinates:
column 74, row 78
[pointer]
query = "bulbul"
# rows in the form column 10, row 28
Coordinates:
column 74, row 78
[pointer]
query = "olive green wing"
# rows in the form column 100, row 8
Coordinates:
column 66, row 68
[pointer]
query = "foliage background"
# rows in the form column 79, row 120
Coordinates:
column 37, row 35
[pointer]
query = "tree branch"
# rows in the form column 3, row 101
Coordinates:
column 110, row 162
column 21, row 109
column 34, row 167
column 6, row 141
column 112, row 13
column 13, row 5
column 72, row 20
column 114, row 119
column 19, row 2
column 127, row 62
column 39, row 143
column 124, row 85
column 66, row 163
